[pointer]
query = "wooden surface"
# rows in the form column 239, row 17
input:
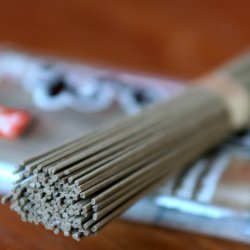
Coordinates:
column 181, row 38
column 120, row 235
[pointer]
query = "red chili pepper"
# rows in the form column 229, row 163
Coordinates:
column 13, row 122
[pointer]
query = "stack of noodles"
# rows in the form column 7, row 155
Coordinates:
column 81, row 186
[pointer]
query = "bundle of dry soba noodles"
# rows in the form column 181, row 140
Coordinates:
column 81, row 186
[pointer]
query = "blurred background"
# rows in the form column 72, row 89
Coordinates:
column 179, row 40
column 182, row 38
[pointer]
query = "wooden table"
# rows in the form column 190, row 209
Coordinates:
column 15, row 234
column 180, row 38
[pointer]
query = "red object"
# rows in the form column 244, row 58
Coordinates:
column 13, row 122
